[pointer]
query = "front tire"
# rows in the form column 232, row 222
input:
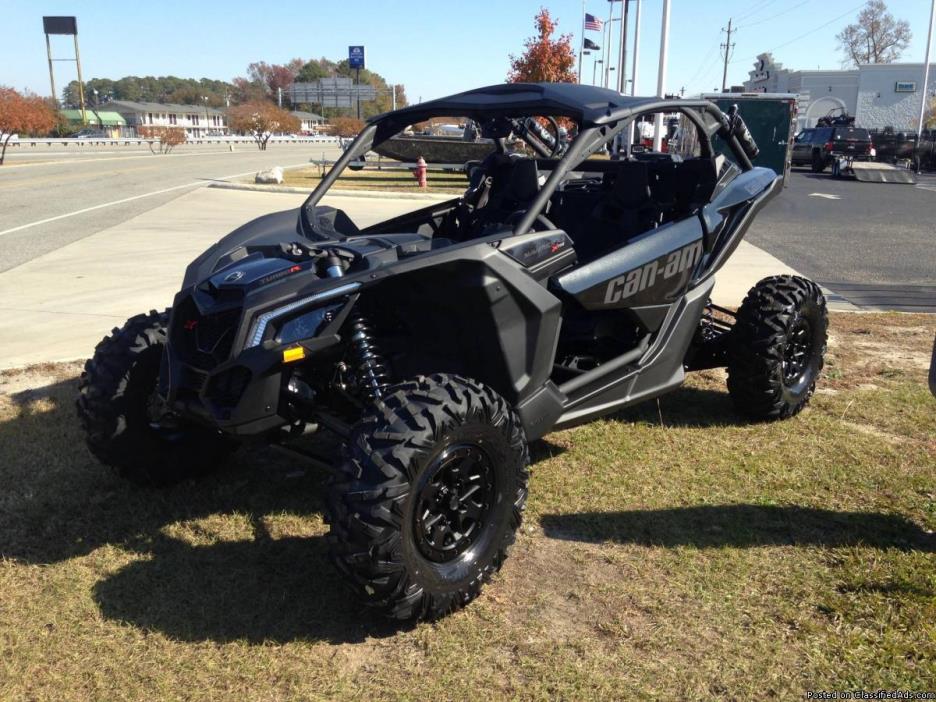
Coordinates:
column 777, row 347
column 430, row 496
column 118, row 407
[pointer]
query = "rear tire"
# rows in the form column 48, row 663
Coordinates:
column 430, row 496
column 116, row 403
column 777, row 347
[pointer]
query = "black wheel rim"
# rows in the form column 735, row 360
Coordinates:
column 798, row 350
column 454, row 502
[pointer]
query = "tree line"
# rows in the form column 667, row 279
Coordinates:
column 262, row 82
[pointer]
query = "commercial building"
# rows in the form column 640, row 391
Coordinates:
column 107, row 122
column 878, row 95
column 196, row 120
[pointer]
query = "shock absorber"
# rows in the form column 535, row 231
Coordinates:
column 369, row 367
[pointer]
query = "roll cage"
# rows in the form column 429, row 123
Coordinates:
column 600, row 115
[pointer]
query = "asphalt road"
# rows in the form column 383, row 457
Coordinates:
column 51, row 198
column 846, row 232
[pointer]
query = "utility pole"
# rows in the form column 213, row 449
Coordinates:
column 926, row 66
column 728, row 47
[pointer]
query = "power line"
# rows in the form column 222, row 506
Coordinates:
column 773, row 17
column 754, row 10
column 805, row 34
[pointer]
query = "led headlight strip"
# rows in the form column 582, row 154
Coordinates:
column 260, row 326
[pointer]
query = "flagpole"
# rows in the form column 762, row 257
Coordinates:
column 581, row 44
column 636, row 50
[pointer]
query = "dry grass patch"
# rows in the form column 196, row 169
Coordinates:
column 385, row 180
column 671, row 551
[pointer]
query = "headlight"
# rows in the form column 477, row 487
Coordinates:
column 263, row 320
column 305, row 325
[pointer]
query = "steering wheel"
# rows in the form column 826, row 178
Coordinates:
column 529, row 126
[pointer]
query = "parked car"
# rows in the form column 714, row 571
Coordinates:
column 90, row 134
column 818, row 147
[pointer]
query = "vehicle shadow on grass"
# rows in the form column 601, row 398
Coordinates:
column 59, row 503
column 688, row 407
column 741, row 525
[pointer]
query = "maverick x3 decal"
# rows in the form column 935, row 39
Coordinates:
column 663, row 268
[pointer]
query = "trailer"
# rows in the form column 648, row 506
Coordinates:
column 872, row 171
column 771, row 119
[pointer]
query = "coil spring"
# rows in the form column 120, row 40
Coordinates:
column 369, row 366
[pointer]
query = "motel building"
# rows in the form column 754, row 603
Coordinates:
column 197, row 120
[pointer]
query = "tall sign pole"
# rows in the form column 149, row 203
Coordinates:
column 636, row 58
column 69, row 27
column 926, row 70
column 622, row 51
column 357, row 61
column 48, row 44
column 81, row 97
column 607, row 66
column 661, row 76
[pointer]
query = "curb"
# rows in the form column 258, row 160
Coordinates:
column 380, row 194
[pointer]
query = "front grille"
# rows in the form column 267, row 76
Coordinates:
column 204, row 341
column 226, row 388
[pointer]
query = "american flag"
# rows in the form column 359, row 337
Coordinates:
column 592, row 23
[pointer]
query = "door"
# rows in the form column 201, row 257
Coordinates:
column 802, row 147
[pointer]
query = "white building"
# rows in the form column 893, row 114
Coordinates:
column 310, row 123
column 196, row 120
column 878, row 95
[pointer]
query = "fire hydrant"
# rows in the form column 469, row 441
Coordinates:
column 420, row 171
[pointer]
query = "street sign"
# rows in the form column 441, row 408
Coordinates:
column 60, row 25
column 356, row 57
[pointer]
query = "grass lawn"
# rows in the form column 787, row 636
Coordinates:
column 391, row 181
column 672, row 551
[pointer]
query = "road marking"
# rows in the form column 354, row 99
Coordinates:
column 931, row 188
column 196, row 183
column 827, row 196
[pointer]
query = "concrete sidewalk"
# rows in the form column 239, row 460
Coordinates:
column 58, row 306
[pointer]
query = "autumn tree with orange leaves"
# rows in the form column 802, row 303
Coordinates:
column 22, row 114
column 544, row 59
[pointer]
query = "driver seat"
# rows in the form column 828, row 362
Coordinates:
column 514, row 183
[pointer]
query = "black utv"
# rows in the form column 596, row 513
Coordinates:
column 561, row 286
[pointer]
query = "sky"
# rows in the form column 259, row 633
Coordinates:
column 434, row 49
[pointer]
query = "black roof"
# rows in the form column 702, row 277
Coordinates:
column 586, row 104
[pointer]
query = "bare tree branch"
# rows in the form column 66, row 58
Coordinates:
column 876, row 37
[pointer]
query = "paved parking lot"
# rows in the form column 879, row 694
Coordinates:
column 874, row 243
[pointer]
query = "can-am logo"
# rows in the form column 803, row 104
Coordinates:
column 644, row 277
column 234, row 277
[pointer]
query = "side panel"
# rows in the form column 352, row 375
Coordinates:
column 660, row 369
column 654, row 269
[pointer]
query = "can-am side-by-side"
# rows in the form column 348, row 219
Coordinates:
column 563, row 285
